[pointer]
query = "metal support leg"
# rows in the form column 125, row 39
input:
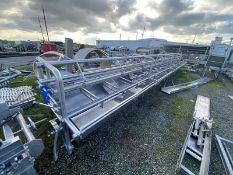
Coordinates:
column 67, row 140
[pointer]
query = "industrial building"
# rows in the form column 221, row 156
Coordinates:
column 131, row 44
column 153, row 43
column 216, row 47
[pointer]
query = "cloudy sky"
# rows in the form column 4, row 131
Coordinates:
column 88, row 20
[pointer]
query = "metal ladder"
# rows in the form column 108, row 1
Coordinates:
column 198, row 141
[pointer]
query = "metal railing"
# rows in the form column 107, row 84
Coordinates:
column 82, row 93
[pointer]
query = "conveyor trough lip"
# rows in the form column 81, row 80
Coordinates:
column 82, row 133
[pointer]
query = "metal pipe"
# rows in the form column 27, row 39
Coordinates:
column 59, row 83
column 7, row 132
column 28, row 134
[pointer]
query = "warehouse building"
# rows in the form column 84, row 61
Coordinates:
column 131, row 44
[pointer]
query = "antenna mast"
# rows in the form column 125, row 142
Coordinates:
column 45, row 23
column 41, row 28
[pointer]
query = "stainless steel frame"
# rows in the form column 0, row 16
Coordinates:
column 82, row 99
column 198, row 141
column 17, row 157
column 223, row 148
column 180, row 87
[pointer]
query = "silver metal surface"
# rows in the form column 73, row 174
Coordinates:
column 198, row 141
column 7, row 75
column 18, row 96
column 183, row 86
column 17, row 157
column 85, row 97
column 223, row 148
column 35, row 145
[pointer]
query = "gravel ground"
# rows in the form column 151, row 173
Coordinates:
column 146, row 136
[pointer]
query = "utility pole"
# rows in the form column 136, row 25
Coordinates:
column 41, row 28
column 120, row 36
column 137, row 36
column 45, row 23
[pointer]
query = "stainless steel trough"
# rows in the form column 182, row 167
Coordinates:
column 83, row 93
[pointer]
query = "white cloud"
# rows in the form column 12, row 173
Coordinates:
column 86, row 21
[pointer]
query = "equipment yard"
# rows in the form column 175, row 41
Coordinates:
column 116, row 87
column 82, row 114
column 145, row 137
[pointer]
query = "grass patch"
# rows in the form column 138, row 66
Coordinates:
column 184, row 76
column 215, row 84
column 172, row 133
column 179, row 108
column 20, row 81
column 216, row 123
column 28, row 68
column 36, row 110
